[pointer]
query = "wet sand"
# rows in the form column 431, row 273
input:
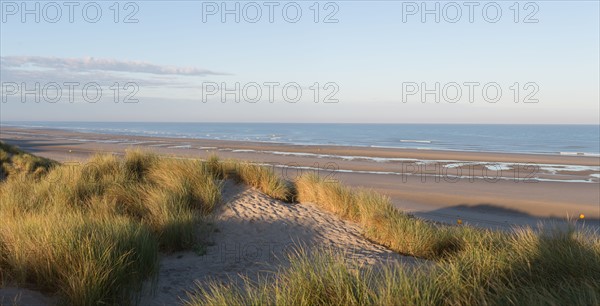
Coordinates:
column 495, row 190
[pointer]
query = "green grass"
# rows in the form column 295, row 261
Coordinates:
column 467, row 266
column 88, row 260
column 15, row 161
column 380, row 221
column 556, row 269
column 262, row 178
column 92, row 232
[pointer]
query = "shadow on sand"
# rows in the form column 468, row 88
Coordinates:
column 498, row 217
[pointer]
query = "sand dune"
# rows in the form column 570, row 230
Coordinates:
column 250, row 236
column 253, row 234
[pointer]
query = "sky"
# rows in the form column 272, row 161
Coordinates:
column 301, row 61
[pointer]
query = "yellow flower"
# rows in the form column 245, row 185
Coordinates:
column 581, row 216
column 459, row 221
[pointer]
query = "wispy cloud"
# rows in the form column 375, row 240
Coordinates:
column 151, row 79
column 91, row 64
column 101, row 77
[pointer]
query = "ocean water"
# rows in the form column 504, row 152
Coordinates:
column 536, row 139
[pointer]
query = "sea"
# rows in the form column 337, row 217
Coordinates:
column 532, row 139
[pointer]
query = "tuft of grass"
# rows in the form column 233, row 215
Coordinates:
column 215, row 167
column 264, row 179
column 16, row 162
column 137, row 163
column 91, row 232
column 85, row 259
column 190, row 178
column 379, row 219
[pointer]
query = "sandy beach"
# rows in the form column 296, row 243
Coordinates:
column 496, row 190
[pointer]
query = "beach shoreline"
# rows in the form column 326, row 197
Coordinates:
column 486, row 189
column 343, row 150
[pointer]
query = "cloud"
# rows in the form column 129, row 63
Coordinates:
column 103, row 78
column 91, row 64
column 150, row 78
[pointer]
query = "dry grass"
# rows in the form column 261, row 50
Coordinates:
column 13, row 161
column 525, row 269
column 92, row 232
column 380, row 221
column 262, row 178
column 469, row 266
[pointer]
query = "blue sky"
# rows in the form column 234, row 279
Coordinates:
column 369, row 57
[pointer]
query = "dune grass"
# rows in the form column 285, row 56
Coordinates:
column 380, row 221
column 260, row 177
column 14, row 160
column 92, row 232
column 468, row 266
column 86, row 259
column 557, row 269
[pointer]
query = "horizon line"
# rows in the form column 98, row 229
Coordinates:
column 270, row 122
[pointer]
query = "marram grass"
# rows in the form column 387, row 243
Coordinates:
column 262, row 178
column 513, row 274
column 91, row 232
column 466, row 266
column 380, row 221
